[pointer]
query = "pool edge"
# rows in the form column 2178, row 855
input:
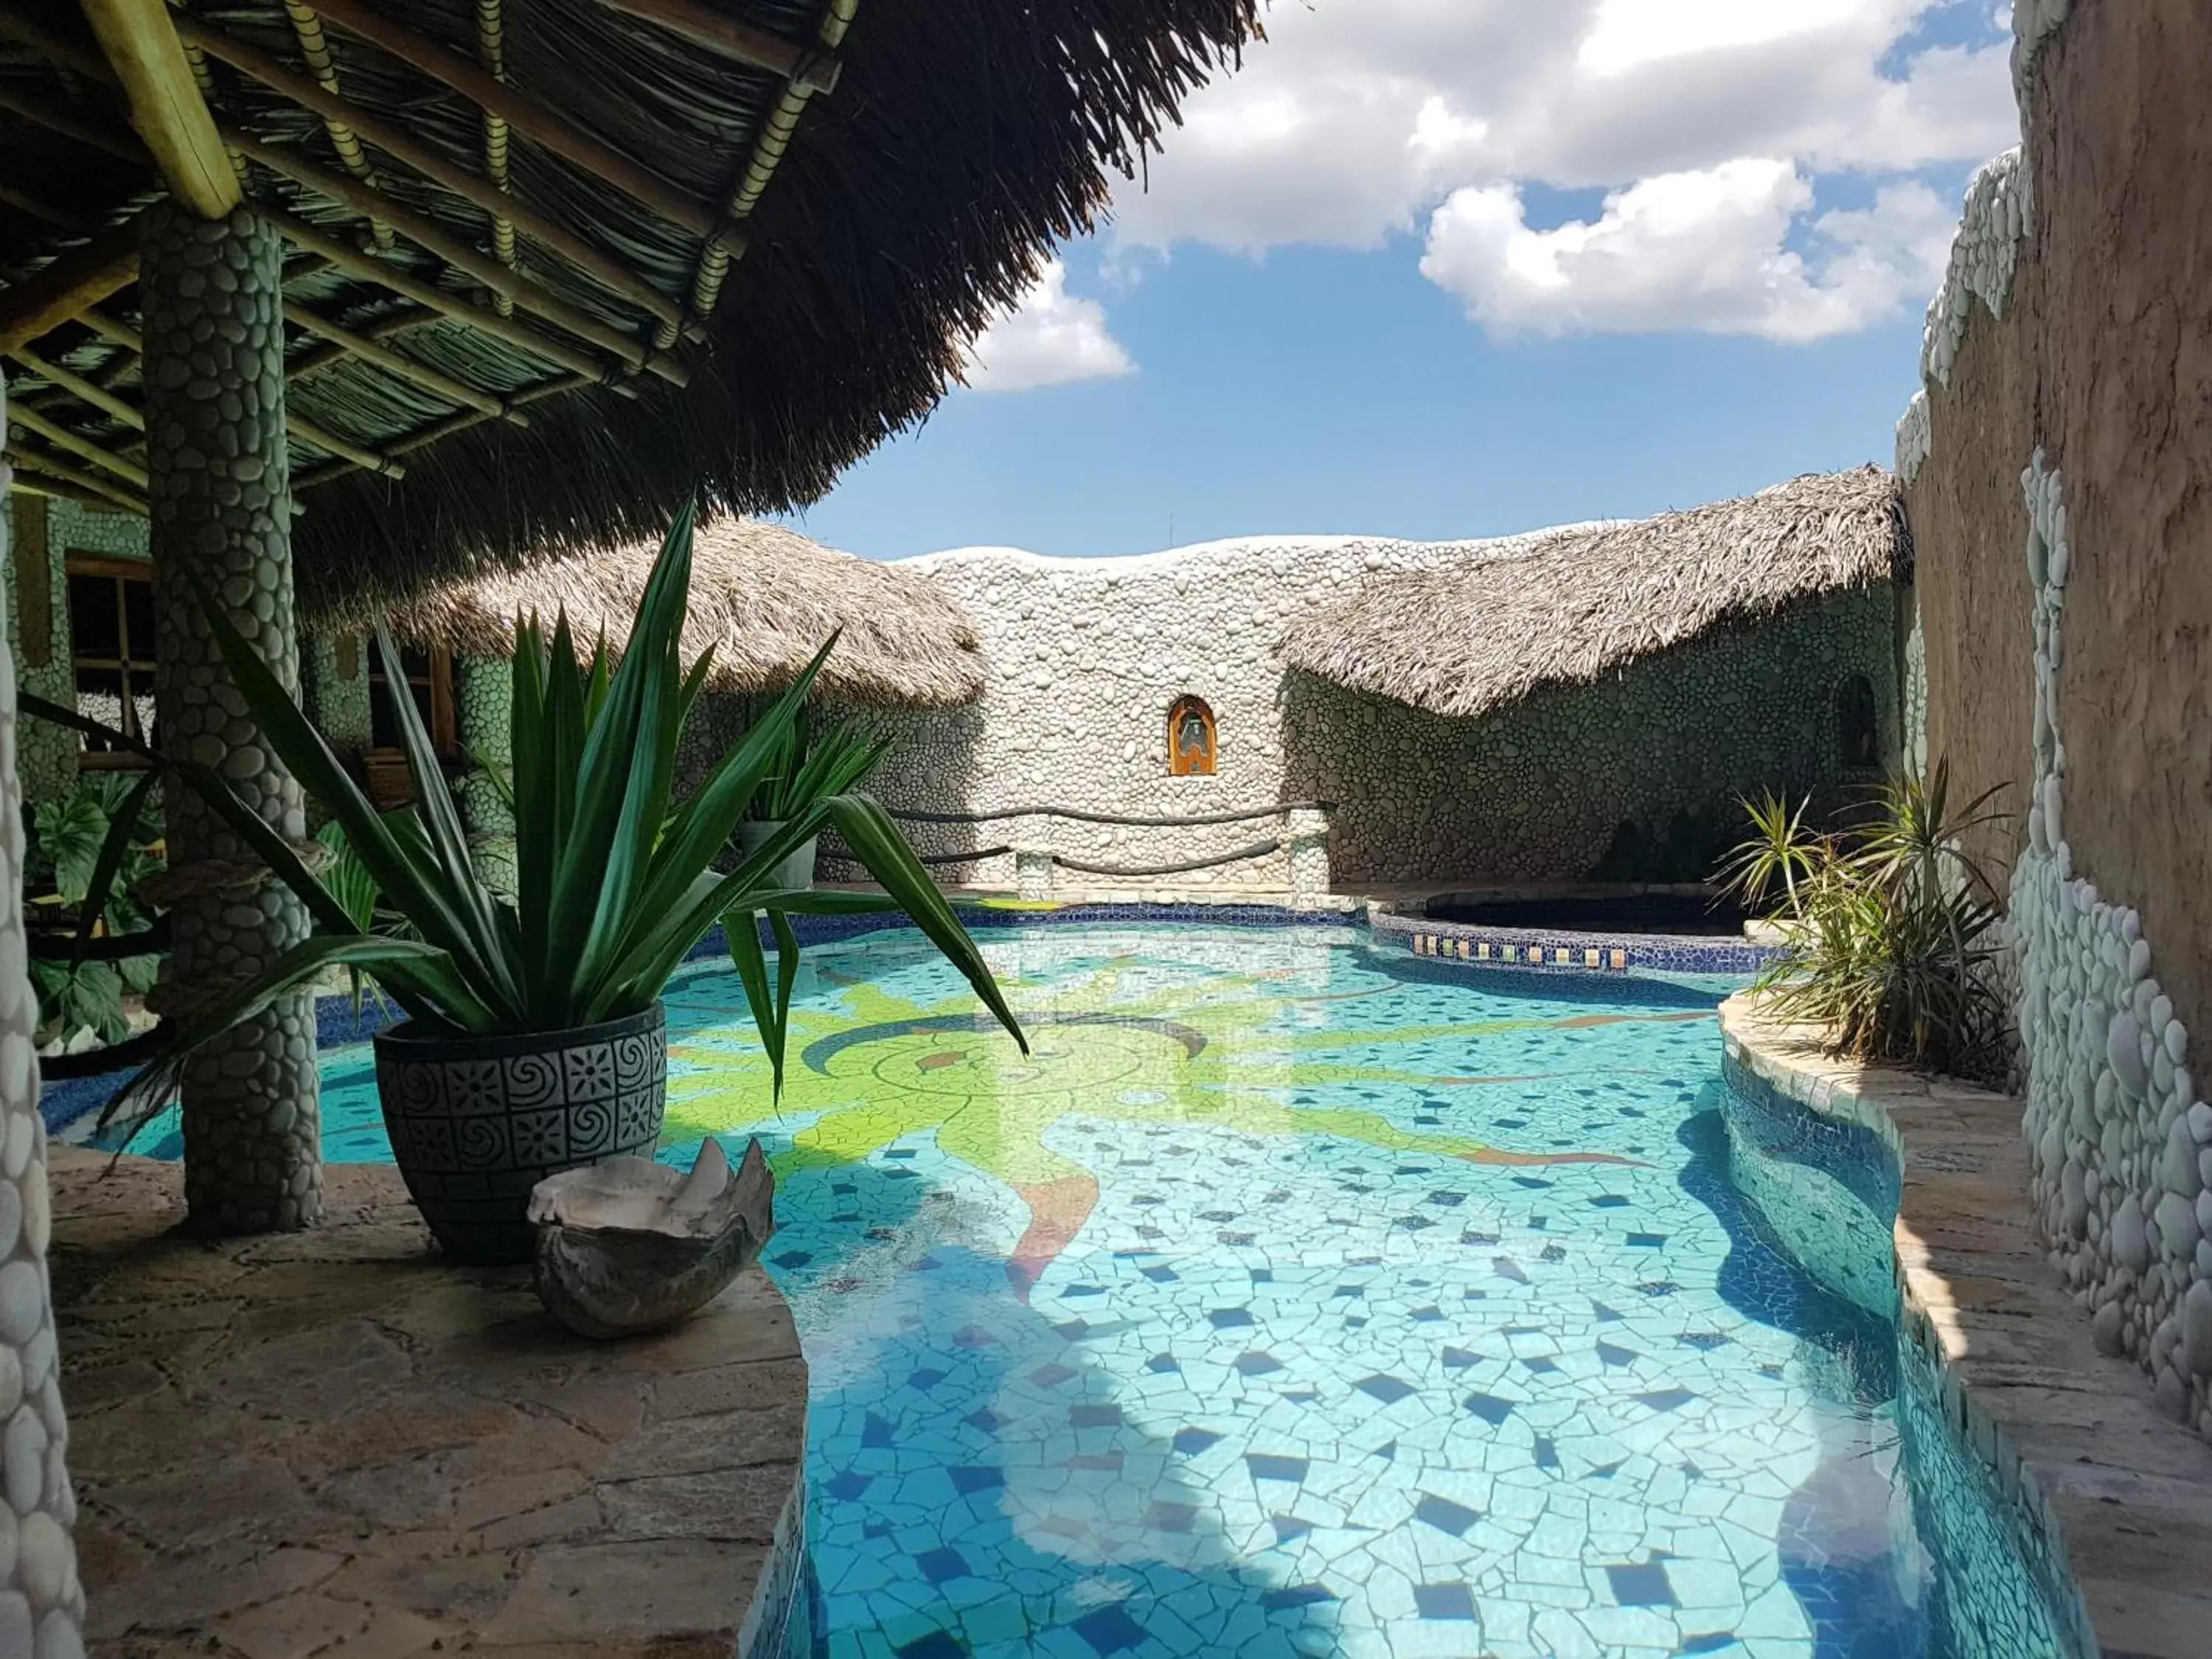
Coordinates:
column 2122, row 1497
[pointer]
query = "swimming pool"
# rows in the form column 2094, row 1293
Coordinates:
column 1295, row 1297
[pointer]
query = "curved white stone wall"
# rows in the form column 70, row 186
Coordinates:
column 1087, row 656
column 41, row 1603
column 2120, row 1141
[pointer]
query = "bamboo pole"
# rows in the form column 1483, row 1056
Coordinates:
column 29, row 460
column 535, row 121
column 514, row 331
column 433, row 238
column 315, row 53
column 412, row 153
column 323, row 437
column 71, row 285
column 349, row 343
column 98, row 396
column 115, row 329
column 815, row 71
column 62, row 437
column 491, row 53
column 166, row 106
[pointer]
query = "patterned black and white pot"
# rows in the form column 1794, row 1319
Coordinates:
column 476, row 1122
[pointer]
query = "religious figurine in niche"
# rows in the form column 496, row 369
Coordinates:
column 1190, row 740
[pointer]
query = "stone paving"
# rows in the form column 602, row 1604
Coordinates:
column 2125, row 1493
column 334, row 1443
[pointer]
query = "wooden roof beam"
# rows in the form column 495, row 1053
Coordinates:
column 80, row 388
column 62, row 437
column 106, row 491
column 543, row 126
column 433, row 238
column 111, row 138
column 395, row 142
column 55, row 48
column 511, row 330
column 70, row 287
column 814, row 70
column 166, row 106
column 351, row 344
column 38, row 207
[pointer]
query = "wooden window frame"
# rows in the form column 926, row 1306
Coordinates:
column 385, row 763
column 1179, row 766
column 119, row 570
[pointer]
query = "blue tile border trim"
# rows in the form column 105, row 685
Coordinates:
column 1555, row 950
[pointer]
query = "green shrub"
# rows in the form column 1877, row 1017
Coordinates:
column 1888, row 928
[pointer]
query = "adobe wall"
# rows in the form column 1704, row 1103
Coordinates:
column 2059, row 470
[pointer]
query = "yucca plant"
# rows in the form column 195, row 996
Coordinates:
column 615, row 886
column 813, row 762
column 1889, row 931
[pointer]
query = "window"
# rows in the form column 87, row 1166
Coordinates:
column 1858, row 737
column 1190, row 740
column 429, row 672
column 111, row 604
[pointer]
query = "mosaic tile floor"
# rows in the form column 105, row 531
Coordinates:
column 1292, row 1298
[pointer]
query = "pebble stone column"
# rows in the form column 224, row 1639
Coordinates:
column 221, row 501
column 41, row 1603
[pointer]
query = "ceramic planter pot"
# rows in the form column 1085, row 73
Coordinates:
column 476, row 1122
column 797, row 870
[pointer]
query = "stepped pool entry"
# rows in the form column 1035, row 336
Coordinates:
column 1293, row 1296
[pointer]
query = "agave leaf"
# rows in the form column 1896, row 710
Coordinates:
column 30, row 702
column 874, row 839
column 122, row 830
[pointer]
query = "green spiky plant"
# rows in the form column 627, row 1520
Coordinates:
column 813, row 761
column 1888, row 929
column 615, row 881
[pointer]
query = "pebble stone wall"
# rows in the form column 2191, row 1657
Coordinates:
column 1086, row 657
column 2122, row 1143
column 45, row 753
column 338, row 704
column 221, row 499
column 41, row 1603
column 1983, row 255
column 484, row 693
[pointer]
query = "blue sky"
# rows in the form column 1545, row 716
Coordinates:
column 1427, row 268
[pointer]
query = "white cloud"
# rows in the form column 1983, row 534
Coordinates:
column 1051, row 337
column 1360, row 120
column 1704, row 250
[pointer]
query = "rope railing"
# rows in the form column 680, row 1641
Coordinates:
column 1192, row 821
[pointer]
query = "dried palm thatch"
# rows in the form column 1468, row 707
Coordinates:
column 764, row 598
column 1585, row 603
column 557, row 267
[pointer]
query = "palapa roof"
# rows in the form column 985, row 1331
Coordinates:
column 1574, row 607
column 765, row 598
column 725, row 245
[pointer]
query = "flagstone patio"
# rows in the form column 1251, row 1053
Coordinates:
column 336, row 1443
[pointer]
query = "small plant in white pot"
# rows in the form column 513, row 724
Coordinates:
column 534, row 1040
column 811, row 764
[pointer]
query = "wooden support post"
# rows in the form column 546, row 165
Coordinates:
column 166, row 106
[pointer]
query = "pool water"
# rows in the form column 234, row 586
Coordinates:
column 1290, row 1297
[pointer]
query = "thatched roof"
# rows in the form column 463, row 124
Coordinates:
column 887, row 184
column 1587, row 603
column 764, row 598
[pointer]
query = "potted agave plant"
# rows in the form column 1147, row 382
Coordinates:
column 811, row 764
column 533, row 1041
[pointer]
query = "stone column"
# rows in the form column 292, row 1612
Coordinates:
column 221, row 501
column 41, row 1604
column 484, row 689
